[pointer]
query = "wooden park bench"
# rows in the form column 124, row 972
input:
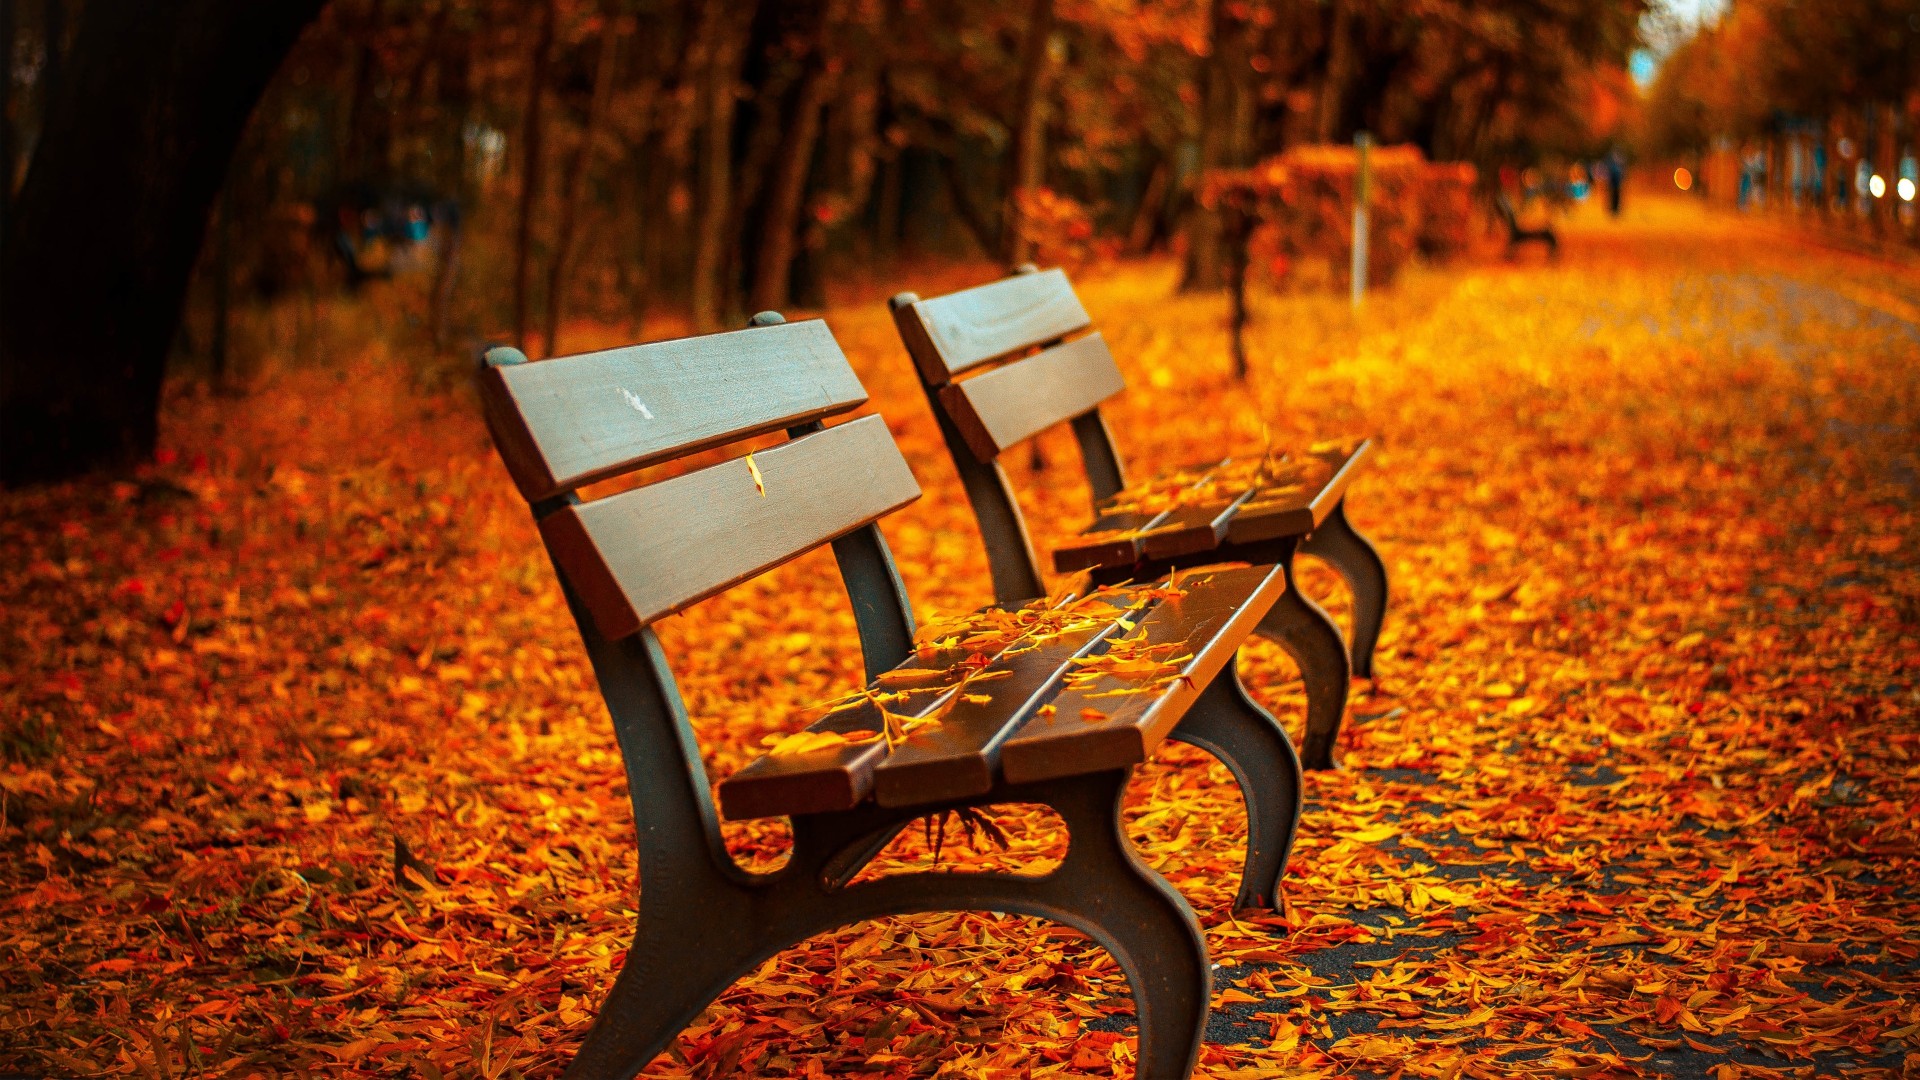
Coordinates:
column 1048, row 703
column 1013, row 337
column 1518, row 234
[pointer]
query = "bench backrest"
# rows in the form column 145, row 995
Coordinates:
column 1026, row 372
column 1022, row 321
column 650, row 551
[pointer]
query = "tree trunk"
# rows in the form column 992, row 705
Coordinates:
column 577, row 175
column 222, row 287
column 1026, row 165
column 369, row 134
column 7, row 27
column 54, row 25
column 532, row 171
column 110, row 219
column 780, row 214
column 716, row 170
column 1333, row 92
column 1222, row 79
column 1146, row 219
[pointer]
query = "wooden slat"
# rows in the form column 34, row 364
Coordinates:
column 569, row 421
column 1193, row 529
column 651, row 551
column 1298, row 512
column 1217, row 613
column 950, row 334
column 1004, row 407
column 834, row 778
column 1117, row 539
column 842, row 777
column 956, row 759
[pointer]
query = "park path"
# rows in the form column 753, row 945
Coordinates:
column 1635, row 794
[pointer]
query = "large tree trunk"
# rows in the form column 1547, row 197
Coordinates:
column 577, row 176
column 54, row 29
column 110, row 219
column 1026, row 165
column 7, row 25
column 532, row 170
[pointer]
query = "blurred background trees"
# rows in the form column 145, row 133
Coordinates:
column 511, row 167
column 1796, row 103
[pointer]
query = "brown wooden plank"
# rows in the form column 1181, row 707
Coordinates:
column 571, row 420
column 1193, row 529
column 649, row 552
column 1219, row 610
column 833, row 778
column 841, row 777
column 956, row 758
column 1296, row 512
column 1004, row 407
column 950, row 334
column 1116, row 538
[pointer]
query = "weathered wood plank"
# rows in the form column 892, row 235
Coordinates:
column 571, row 420
column 1086, row 731
column 1005, row 407
column 951, row 334
column 834, row 778
column 1116, row 538
column 649, row 552
column 1193, row 529
column 1296, row 511
column 956, row 758
column 841, row 777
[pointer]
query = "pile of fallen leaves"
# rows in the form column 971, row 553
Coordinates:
column 305, row 773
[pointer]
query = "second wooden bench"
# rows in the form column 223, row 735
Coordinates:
column 1031, row 360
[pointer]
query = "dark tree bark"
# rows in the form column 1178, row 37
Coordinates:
column 368, row 138
column 532, row 170
column 7, row 33
column 780, row 73
column 54, row 26
column 110, row 219
column 1226, row 115
column 780, row 214
column 714, row 201
column 1024, row 165
column 577, row 175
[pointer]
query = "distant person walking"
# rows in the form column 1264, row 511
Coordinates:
column 1615, row 170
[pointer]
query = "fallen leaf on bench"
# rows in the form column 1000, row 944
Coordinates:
column 907, row 675
column 809, row 742
column 759, row 482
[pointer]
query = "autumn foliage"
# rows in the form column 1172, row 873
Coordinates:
column 305, row 773
column 1303, row 201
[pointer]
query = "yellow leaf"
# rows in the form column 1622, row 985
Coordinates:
column 759, row 482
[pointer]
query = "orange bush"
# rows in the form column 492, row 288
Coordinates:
column 1303, row 200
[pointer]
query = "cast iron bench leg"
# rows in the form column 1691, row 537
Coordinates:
column 1338, row 544
column 691, row 946
column 1310, row 636
column 1226, row 723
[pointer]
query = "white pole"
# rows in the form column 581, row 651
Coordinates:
column 1363, row 184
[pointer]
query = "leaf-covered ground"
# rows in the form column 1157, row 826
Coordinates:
column 1635, row 794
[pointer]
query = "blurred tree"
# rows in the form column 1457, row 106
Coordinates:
column 109, row 219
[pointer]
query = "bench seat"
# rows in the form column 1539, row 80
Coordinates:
column 1209, row 508
column 1053, row 688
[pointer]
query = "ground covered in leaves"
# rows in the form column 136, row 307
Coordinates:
column 305, row 773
